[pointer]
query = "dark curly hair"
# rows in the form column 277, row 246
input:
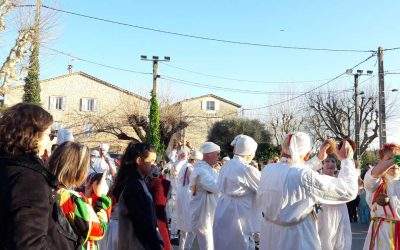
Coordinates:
column 21, row 127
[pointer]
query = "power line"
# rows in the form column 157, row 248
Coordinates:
column 296, row 97
column 241, row 80
column 396, row 48
column 246, row 91
column 96, row 63
column 202, row 37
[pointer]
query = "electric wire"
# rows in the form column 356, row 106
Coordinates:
column 296, row 97
column 201, row 37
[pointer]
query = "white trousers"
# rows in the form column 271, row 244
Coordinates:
column 205, row 240
column 186, row 240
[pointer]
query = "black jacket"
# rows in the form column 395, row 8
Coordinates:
column 141, row 211
column 29, row 215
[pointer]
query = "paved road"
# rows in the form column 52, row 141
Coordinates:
column 359, row 233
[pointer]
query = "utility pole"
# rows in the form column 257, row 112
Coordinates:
column 153, row 134
column 357, row 116
column 155, row 60
column 357, row 120
column 382, row 111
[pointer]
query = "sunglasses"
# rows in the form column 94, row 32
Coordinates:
column 51, row 136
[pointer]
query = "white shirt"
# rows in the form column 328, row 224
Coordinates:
column 286, row 196
column 204, row 201
column 183, row 197
column 237, row 214
column 393, row 191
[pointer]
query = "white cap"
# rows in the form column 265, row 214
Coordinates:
column 209, row 147
column 244, row 145
column 296, row 145
column 196, row 155
column 226, row 158
column 95, row 153
column 233, row 143
column 64, row 135
column 104, row 146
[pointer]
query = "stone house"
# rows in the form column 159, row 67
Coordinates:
column 81, row 102
column 84, row 103
column 202, row 112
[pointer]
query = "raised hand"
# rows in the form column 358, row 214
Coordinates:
column 101, row 186
column 345, row 152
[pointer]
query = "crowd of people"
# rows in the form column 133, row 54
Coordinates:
column 71, row 197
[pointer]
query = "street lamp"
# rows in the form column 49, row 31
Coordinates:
column 356, row 108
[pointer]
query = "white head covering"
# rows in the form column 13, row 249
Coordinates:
column 209, row 147
column 95, row 153
column 233, row 143
column 64, row 135
column 295, row 146
column 226, row 158
column 196, row 155
column 104, row 146
column 244, row 145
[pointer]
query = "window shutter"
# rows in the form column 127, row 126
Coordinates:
column 83, row 104
column 204, row 105
column 216, row 105
column 52, row 102
column 94, row 105
column 63, row 102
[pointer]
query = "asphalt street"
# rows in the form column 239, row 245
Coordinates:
column 359, row 232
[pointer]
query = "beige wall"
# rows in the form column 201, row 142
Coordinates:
column 112, row 105
column 202, row 120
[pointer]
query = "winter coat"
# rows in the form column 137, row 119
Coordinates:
column 29, row 215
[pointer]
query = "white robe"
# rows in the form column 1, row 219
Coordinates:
column 334, row 227
column 287, row 195
column 177, row 166
column 183, row 197
column 237, row 216
column 393, row 191
column 203, row 203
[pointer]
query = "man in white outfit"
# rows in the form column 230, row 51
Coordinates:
column 289, row 189
column 203, row 184
column 237, row 216
column 183, row 197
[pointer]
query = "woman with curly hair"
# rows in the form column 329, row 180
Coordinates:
column 28, row 210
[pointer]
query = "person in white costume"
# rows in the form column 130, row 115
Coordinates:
column 172, row 203
column 183, row 197
column 289, row 189
column 203, row 184
column 334, row 227
column 237, row 216
column 104, row 163
column 382, row 186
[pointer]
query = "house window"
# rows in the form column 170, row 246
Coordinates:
column 88, row 104
column 88, row 129
column 57, row 102
column 210, row 105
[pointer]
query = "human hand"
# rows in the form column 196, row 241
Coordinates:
column 100, row 187
column 345, row 151
column 322, row 154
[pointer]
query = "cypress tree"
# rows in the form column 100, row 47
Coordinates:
column 153, row 135
column 32, row 84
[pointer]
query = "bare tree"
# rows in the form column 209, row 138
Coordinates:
column 332, row 115
column 15, row 65
column 283, row 122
